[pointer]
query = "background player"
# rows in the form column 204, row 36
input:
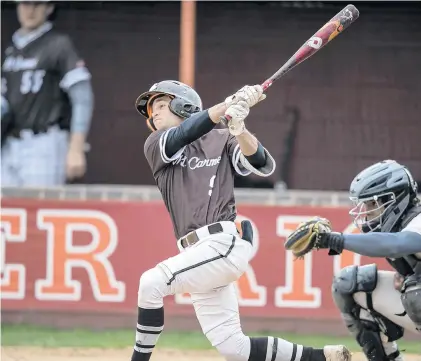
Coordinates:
column 46, row 93
column 377, row 306
column 193, row 165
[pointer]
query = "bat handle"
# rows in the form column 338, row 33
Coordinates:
column 226, row 118
column 266, row 85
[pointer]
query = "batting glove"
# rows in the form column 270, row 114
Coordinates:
column 251, row 94
column 236, row 114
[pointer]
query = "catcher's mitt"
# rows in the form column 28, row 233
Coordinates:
column 304, row 239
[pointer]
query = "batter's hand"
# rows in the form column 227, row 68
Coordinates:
column 76, row 163
column 236, row 114
column 252, row 94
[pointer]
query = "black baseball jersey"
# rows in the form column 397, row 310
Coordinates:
column 35, row 76
column 197, row 183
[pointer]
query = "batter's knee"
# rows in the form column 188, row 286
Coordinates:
column 350, row 280
column 152, row 288
column 235, row 348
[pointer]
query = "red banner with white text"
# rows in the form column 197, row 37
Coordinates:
column 88, row 256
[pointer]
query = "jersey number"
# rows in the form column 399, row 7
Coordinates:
column 211, row 182
column 32, row 81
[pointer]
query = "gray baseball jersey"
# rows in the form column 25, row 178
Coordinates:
column 37, row 70
column 197, row 183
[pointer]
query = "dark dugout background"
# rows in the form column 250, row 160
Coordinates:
column 354, row 103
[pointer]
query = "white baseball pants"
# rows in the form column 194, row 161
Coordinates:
column 206, row 271
column 35, row 160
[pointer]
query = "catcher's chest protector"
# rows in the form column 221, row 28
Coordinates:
column 407, row 265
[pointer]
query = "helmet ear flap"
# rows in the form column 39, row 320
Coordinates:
column 182, row 109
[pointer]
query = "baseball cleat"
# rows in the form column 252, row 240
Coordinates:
column 337, row 353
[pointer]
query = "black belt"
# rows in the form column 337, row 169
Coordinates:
column 192, row 238
column 16, row 132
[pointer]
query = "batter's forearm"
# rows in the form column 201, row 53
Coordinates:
column 377, row 244
column 248, row 143
column 216, row 112
column 252, row 149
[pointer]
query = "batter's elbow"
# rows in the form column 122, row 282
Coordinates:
column 267, row 170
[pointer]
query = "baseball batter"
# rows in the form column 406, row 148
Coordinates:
column 377, row 306
column 193, row 165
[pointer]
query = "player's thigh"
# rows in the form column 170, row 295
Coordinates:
column 218, row 313
column 44, row 159
column 387, row 301
column 205, row 266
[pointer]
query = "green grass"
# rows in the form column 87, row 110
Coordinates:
column 48, row 337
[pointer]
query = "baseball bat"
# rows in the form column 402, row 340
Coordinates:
column 341, row 21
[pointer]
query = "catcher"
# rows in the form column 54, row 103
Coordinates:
column 377, row 306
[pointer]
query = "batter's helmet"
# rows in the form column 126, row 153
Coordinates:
column 184, row 100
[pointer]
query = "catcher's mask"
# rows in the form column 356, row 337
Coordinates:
column 184, row 100
column 368, row 213
column 382, row 193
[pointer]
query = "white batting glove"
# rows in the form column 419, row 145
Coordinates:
column 236, row 115
column 252, row 94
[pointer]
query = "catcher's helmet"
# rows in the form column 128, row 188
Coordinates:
column 185, row 100
column 390, row 190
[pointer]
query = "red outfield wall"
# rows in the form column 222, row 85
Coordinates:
column 87, row 256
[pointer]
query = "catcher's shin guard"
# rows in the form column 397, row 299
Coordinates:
column 354, row 279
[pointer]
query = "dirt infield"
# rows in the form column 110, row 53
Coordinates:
column 83, row 354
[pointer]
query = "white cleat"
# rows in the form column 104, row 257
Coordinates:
column 337, row 353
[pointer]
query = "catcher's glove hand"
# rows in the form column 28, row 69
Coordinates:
column 314, row 234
